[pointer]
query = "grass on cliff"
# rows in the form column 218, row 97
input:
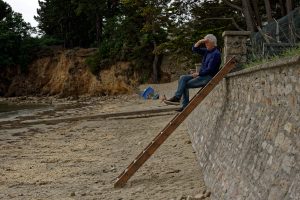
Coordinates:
column 288, row 53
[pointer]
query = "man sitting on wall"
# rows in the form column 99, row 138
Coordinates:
column 209, row 68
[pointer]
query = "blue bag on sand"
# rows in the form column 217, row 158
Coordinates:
column 147, row 92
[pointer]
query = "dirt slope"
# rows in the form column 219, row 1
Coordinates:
column 65, row 73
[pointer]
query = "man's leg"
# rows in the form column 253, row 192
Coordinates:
column 186, row 98
column 200, row 81
column 175, row 100
column 184, row 79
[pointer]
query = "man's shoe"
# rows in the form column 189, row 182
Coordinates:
column 173, row 101
column 180, row 109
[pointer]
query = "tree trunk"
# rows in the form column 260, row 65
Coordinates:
column 155, row 66
column 99, row 27
column 268, row 10
column 256, row 13
column 289, row 6
column 233, row 5
column 282, row 8
column 246, row 10
column 288, row 10
column 247, row 14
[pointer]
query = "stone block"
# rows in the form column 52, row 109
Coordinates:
column 279, row 139
column 288, row 163
column 279, row 190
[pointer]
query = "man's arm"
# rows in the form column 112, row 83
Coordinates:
column 197, row 44
column 196, row 47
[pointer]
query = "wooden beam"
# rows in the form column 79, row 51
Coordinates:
column 172, row 125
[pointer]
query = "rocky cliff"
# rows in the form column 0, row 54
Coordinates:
column 65, row 73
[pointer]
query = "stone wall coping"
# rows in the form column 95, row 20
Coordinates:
column 236, row 33
column 272, row 64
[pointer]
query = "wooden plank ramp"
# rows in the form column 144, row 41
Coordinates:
column 172, row 125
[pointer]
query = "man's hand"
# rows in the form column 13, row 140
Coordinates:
column 194, row 75
column 200, row 42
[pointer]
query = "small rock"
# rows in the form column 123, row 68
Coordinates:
column 181, row 197
column 199, row 196
column 207, row 194
column 174, row 171
column 72, row 194
column 188, row 142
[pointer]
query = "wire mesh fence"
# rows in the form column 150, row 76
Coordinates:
column 275, row 37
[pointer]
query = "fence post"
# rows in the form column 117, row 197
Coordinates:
column 235, row 45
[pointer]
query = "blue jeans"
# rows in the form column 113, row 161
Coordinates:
column 187, row 81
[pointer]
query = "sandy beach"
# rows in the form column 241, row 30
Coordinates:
column 76, row 149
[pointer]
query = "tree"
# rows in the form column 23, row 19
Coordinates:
column 289, row 6
column 253, row 10
column 58, row 18
column 247, row 11
column 5, row 10
column 156, row 20
column 268, row 10
column 97, row 11
column 13, row 32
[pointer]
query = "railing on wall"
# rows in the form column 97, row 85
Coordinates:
column 276, row 37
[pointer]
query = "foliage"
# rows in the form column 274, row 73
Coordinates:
column 46, row 41
column 76, row 22
column 130, row 35
column 14, row 37
column 139, row 31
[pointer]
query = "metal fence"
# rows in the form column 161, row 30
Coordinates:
column 276, row 37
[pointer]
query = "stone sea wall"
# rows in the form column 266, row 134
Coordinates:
column 246, row 133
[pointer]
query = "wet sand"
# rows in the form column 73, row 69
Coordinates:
column 76, row 151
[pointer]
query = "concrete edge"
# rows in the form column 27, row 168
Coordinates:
column 103, row 116
column 272, row 64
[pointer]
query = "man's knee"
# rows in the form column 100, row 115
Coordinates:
column 184, row 77
column 181, row 77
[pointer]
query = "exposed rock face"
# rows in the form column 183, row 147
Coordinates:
column 65, row 73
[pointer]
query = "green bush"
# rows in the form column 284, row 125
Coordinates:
column 93, row 64
column 288, row 53
column 45, row 41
